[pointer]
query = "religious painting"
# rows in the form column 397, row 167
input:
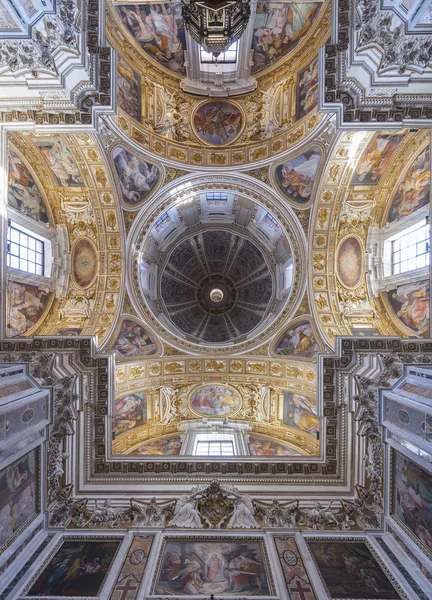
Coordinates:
column 137, row 177
column 294, row 571
column 299, row 340
column 132, row 341
column 296, row 177
column 129, row 412
column 159, row 31
column 412, row 501
column 129, row 90
column 413, row 190
column 61, row 161
column 375, row 158
column 84, row 262
column 350, row 262
column 26, row 305
column 350, row 570
column 19, row 495
column 300, row 412
column 410, row 303
column 231, row 567
column 215, row 401
column 264, row 446
column 23, row 191
column 307, row 89
column 78, row 568
column 218, row 122
column 278, row 28
column 169, row 445
column 133, row 568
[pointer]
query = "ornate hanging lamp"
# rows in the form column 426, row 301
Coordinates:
column 216, row 24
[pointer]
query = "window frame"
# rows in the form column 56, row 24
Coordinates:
column 25, row 249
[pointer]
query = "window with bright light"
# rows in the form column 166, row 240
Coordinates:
column 410, row 250
column 214, row 448
column 227, row 57
column 212, row 196
column 24, row 251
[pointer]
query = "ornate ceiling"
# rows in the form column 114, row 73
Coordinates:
column 210, row 234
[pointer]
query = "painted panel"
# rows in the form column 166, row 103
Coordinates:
column 164, row 446
column 129, row 90
column 23, row 192
column 137, row 177
column 218, row 122
column 413, row 498
column 78, row 568
column 410, row 303
column 25, row 306
column 20, row 419
column 278, row 28
column 61, row 161
column 375, row 158
column 350, row 571
column 132, row 340
column 307, row 89
column 298, row 340
column 293, row 569
column 133, row 568
column 19, row 491
column 296, row 177
column 264, row 446
column 159, row 31
column 300, row 412
column 350, row 259
column 129, row 412
column 204, row 567
column 215, row 401
column 84, row 262
column 413, row 190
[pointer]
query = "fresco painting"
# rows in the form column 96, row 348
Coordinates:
column 218, row 122
column 129, row 412
column 164, row 446
column 84, row 262
column 350, row 262
column 78, row 568
column 215, row 401
column 23, row 192
column 262, row 446
column 133, row 568
column 375, row 158
column 307, row 89
column 132, row 340
column 294, row 572
column 300, row 412
column 413, row 498
column 129, row 90
column 26, row 305
column 136, row 176
column 350, row 570
column 296, row 177
column 278, row 28
column 61, row 161
column 159, row 31
column 299, row 340
column 230, row 568
column 413, row 191
column 410, row 302
column 18, row 495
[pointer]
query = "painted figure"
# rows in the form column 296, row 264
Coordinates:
column 298, row 341
column 61, row 161
column 375, row 159
column 296, row 177
column 129, row 91
column 218, row 122
column 23, row 192
column 137, row 177
column 133, row 340
column 413, row 190
column 411, row 305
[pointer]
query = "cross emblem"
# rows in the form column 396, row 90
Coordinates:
column 127, row 587
column 300, row 590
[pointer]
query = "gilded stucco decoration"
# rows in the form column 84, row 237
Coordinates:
column 79, row 191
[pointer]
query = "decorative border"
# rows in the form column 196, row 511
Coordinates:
column 203, row 539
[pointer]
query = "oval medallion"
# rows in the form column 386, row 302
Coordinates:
column 350, row 262
column 84, row 262
column 27, row 415
column 218, row 122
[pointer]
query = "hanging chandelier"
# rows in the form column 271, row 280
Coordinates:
column 216, row 24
